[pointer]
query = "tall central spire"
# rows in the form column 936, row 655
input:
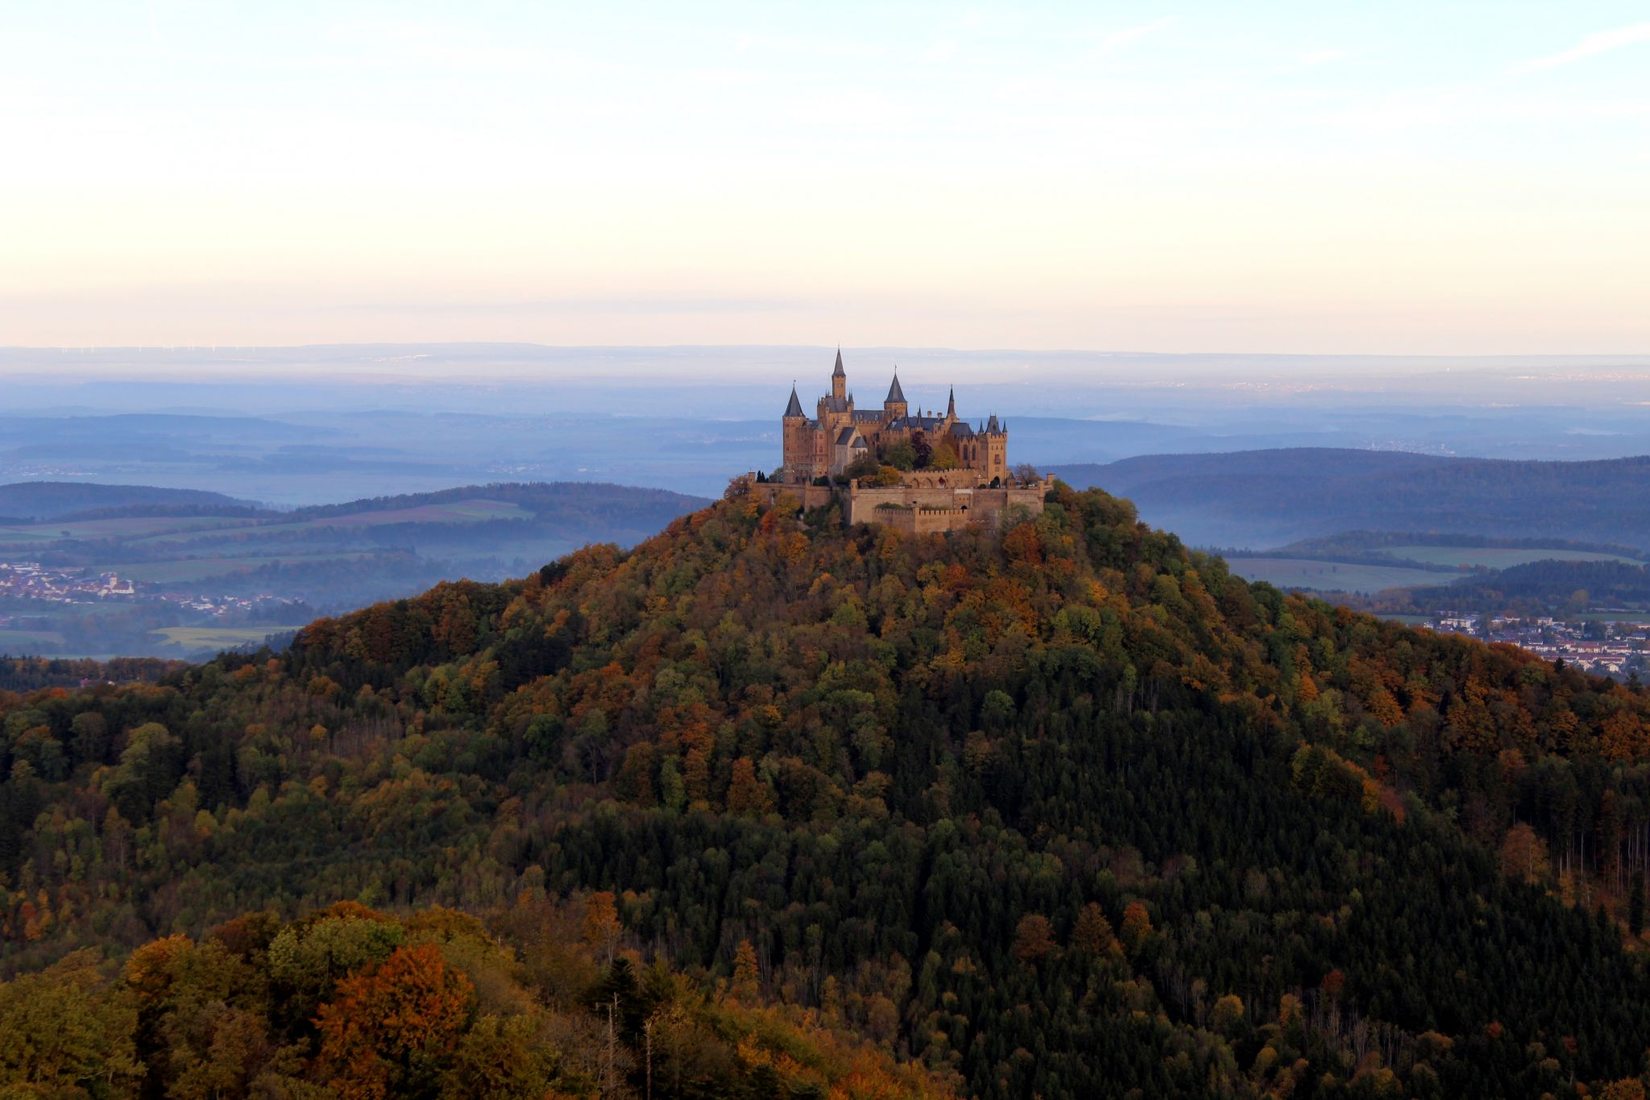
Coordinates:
column 839, row 379
column 894, row 392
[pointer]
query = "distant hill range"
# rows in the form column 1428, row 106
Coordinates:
column 1266, row 498
column 585, row 511
column 213, row 572
column 43, row 500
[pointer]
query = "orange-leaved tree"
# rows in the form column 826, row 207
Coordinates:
column 392, row 1031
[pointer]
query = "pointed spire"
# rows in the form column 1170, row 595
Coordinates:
column 795, row 407
column 951, row 404
column 839, row 372
column 894, row 392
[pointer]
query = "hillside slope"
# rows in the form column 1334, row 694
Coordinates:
column 1065, row 810
column 1267, row 498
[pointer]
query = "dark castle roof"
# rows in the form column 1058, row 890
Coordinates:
column 895, row 393
column 917, row 423
column 795, row 407
column 848, row 435
column 839, row 372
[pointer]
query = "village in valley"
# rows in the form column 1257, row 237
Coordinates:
column 50, row 609
column 30, row 580
column 1616, row 649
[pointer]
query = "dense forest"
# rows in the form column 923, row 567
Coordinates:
column 539, row 1000
column 1060, row 810
column 27, row 674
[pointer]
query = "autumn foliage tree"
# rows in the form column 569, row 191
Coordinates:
column 389, row 1033
column 1137, row 925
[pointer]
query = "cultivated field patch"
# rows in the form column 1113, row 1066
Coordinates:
column 1497, row 557
column 1331, row 576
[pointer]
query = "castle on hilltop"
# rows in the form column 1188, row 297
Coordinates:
column 916, row 471
column 841, row 435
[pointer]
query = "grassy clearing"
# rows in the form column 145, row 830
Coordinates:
column 133, row 527
column 218, row 637
column 458, row 511
column 153, row 530
column 30, row 642
column 1496, row 557
column 1329, row 576
column 196, row 569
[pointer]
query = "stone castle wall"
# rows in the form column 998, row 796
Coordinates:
column 921, row 508
column 955, row 505
column 806, row 496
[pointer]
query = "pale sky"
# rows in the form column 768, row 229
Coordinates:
column 1401, row 177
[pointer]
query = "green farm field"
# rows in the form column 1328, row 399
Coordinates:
column 455, row 512
column 162, row 530
column 1496, row 557
column 129, row 528
column 29, row 641
column 1329, row 576
column 219, row 637
column 204, row 568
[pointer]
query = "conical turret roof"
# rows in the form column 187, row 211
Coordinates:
column 839, row 372
column 795, row 407
column 894, row 392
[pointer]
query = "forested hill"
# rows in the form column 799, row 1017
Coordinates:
column 1268, row 498
column 1062, row 810
column 43, row 500
column 593, row 509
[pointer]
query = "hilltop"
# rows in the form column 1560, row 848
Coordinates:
column 1063, row 809
column 1270, row 497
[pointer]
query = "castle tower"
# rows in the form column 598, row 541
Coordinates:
column 795, row 437
column 951, row 408
column 995, row 449
column 839, row 379
column 894, row 404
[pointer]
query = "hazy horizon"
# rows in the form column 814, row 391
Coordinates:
column 322, row 424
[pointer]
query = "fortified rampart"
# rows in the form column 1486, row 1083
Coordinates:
column 923, row 508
